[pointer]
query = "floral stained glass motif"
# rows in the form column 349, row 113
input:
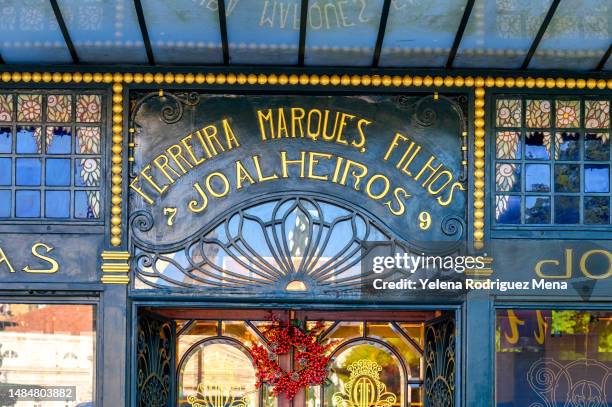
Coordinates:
column 568, row 113
column 507, row 177
column 59, row 108
column 88, row 140
column 59, row 140
column 29, row 108
column 508, row 113
column 596, row 114
column 6, row 108
column 88, row 172
column 88, row 108
column 538, row 113
column 508, row 145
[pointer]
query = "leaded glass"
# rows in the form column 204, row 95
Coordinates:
column 27, row 171
column 596, row 210
column 5, row 203
column 57, row 172
column 27, row 204
column 29, row 140
column 537, row 145
column 6, row 140
column 597, row 146
column 508, row 209
column 508, row 145
column 508, row 113
column 87, row 204
column 59, row 140
column 59, row 108
column 6, row 171
column 29, row 108
column 567, row 146
column 6, row 108
column 88, row 108
column 88, row 140
column 567, row 178
column 57, row 204
column 596, row 178
column 538, row 113
column 508, row 177
column 597, row 114
column 567, row 209
column 568, row 113
column 87, row 172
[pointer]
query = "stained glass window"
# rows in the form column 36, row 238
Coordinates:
column 50, row 155
column 552, row 160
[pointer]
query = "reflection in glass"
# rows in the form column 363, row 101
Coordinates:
column 27, row 204
column 342, row 32
column 218, row 369
column 537, row 177
column 5, row 203
column 567, row 178
column 29, row 140
column 27, row 171
column 568, row 146
column 571, row 349
column 59, row 140
column 508, row 209
column 6, row 171
column 6, row 140
column 508, row 177
column 596, row 210
column 537, row 209
column 596, row 146
column 567, row 209
column 49, row 345
column 596, row 178
column 394, row 338
column 537, row 145
column 87, row 204
column 57, row 172
column 57, row 204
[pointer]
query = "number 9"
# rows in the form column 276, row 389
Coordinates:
column 424, row 220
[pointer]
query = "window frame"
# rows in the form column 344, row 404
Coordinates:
column 551, row 230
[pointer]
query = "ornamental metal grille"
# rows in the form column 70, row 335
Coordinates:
column 50, row 155
column 551, row 160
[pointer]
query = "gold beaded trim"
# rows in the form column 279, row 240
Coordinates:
column 479, row 83
column 115, row 267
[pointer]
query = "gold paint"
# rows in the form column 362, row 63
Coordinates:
column 364, row 387
column 588, row 274
column 4, row 259
column 35, row 252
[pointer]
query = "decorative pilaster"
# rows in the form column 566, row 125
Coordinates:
column 115, row 267
column 479, row 163
column 116, row 169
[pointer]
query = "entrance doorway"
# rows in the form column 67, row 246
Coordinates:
column 203, row 358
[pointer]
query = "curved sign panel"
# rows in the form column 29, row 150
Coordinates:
column 200, row 157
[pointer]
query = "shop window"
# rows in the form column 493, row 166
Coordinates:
column 553, row 358
column 552, row 161
column 44, row 345
column 50, row 155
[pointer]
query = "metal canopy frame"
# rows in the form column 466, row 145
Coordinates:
column 467, row 14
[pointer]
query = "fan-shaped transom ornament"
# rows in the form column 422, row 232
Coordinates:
column 270, row 245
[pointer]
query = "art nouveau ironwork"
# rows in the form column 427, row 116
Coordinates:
column 440, row 362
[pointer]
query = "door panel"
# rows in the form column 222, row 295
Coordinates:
column 440, row 352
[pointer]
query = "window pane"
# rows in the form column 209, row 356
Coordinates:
column 553, row 358
column 57, row 172
column 6, row 171
column 568, row 113
column 567, row 209
column 88, row 108
column 597, row 210
column 87, row 204
column 597, row 114
column 508, row 209
column 59, row 140
column 537, row 145
column 27, row 204
column 568, row 146
column 508, row 177
column 27, row 171
column 5, row 203
column 57, row 204
column 6, row 140
column 537, row 209
column 29, row 140
column 597, row 146
column 88, row 140
column 6, row 108
column 596, row 178
column 537, row 177
column 508, row 112
column 59, row 108
column 508, row 145
column 538, row 113
column 567, row 178
column 87, row 172
column 58, row 340
column 29, row 108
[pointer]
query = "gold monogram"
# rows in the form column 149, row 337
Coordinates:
column 216, row 396
column 364, row 388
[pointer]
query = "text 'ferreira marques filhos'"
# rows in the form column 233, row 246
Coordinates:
column 296, row 123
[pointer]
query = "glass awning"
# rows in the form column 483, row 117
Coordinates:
column 496, row 34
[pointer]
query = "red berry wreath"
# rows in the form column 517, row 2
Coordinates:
column 309, row 357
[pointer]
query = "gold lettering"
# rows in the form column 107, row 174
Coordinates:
column 224, row 181
column 54, row 264
column 357, row 176
column 260, row 175
column 514, row 323
column 210, row 134
column 456, row 185
column 401, row 206
column 311, row 134
column 437, row 191
column 176, row 152
column 314, row 161
column 341, row 127
column 230, row 137
column 285, row 163
column 150, row 180
column 189, row 148
column 371, row 181
column 295, row 118
column 4, row 259
column 362, row 139
column 203, row 143
column 161, row 162
column 542, row 325
column 193, row 204
column 337, row 169
column 428, row 166
column 282, row 124
column 586, row 256
column 242, row 174
column 329, row 137
column 262, row 129
column 135, row 185
column 393, row 145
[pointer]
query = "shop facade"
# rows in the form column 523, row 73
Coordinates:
column 155, row 223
